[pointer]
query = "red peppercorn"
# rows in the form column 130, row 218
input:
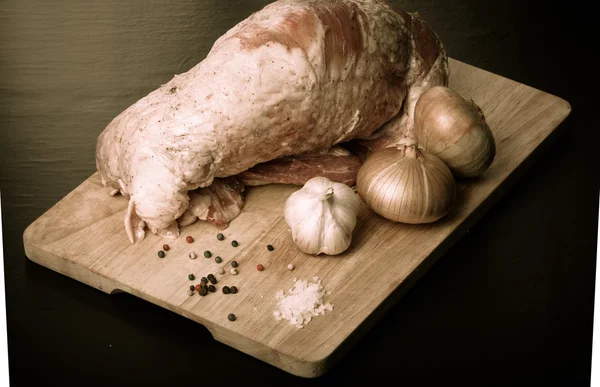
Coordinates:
column 260, row 267
column 198, row 287
column 189, row 239
column 166, row 247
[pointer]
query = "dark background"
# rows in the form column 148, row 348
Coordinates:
column 511, row 303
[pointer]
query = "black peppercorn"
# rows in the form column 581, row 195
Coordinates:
column 203, row 291
column 207, row 254
column 218, row 259
column 191, row 277
column 220, row 236
column 231, row 317
column 212, row 288
column 161, row 254
column 235, row 243
column 226, row 290
column 270, row 248
column 203, row 280
column 233, row 290
column 212, row 279
column 192, row 288
column 234, row 264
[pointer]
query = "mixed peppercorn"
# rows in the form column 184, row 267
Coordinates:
column 204, row 287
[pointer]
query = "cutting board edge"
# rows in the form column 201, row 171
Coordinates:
column 296, row 366
column 71, row 270
column 314, row 367
column 440, row 251
column 560, row 100
column 260, row 351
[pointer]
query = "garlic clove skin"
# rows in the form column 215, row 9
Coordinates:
column 304, row 215
column 322, row 216
column 455, row 130
column 406, row 184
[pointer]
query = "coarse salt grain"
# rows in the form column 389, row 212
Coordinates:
column 303, row 301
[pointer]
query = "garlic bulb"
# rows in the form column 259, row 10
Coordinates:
column 454, row 129
column 406, row 184
column 322, row 215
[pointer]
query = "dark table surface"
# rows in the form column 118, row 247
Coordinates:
column 511, row 303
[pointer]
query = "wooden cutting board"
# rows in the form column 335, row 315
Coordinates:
column 82, row 237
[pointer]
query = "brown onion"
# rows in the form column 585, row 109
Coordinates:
column 455, row 130
column 406, row 184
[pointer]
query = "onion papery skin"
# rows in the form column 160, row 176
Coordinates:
column 455, row 130
column 406, row 184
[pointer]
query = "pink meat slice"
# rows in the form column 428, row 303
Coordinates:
column 298, row 170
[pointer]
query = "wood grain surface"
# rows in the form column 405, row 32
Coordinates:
column 82, row 237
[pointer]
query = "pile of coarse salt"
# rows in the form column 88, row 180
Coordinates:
column 302, row 301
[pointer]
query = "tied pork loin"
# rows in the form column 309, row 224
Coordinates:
column 276, row 98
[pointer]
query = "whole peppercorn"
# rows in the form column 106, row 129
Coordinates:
column 190, row 292
column 212, row 279
column 234, row 264
column 192, row 255
column 203, row 291
column 191, row 277
column 270, row 248
column 218, row 259
column 231, row 317
column 192, row 287
column 260, row 267
column 203, row 280
column 212, row 288
column 189, row 239
column 166, row 247
column 220, row 236
column 198, row 287
column 226, row 289
column 233, row 289
column 207, row 254
column 161, row 254
column 235, row 243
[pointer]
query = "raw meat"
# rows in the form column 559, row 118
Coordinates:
column 218, row 203
column 299, row 169
column 338, row 164
column 297, row 77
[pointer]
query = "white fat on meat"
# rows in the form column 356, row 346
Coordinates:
column 297, row 77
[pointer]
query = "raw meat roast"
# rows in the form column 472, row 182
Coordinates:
column 280, row 98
